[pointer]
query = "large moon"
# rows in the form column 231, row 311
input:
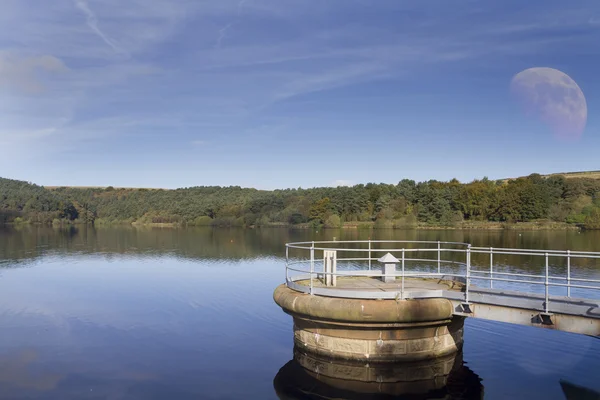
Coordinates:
column 554, row 98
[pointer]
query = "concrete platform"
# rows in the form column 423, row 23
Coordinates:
column 567, row 314
column 377, row 285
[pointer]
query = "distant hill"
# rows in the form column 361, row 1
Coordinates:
column 582, row 174
column 567, row 175
column 574, row 201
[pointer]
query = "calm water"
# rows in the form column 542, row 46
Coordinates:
column 126, row 313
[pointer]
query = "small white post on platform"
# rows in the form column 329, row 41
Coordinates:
column 330, row 257
column 389, row 267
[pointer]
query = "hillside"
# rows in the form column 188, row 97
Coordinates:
column 573, row 200
column 567, row 175
column 571, row 175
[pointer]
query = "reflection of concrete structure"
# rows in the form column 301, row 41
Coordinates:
column 311, row 377
column 573, row 392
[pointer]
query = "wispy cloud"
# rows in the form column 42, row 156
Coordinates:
column 185, row 72
column 240, row 7
column 222, row 33
column 92, row 22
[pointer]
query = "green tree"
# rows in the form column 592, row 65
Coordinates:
column 333, row 221
column 592, row 221
column 319, row 210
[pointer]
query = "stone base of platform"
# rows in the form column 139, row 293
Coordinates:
column 372, row 330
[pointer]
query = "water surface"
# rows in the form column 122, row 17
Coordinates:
column 142, row 313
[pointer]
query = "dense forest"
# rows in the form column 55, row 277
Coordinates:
column 407, row 204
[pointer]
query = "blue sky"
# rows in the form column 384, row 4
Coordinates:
column 286, row 93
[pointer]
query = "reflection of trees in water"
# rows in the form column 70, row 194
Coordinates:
column 30, row 242
column 310, row 377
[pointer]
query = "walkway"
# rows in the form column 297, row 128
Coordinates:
column 565, row 313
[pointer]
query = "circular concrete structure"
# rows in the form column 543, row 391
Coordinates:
column 372, row 330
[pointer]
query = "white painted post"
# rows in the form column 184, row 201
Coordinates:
column 389, row 267
column 568, row 273
column 330, row 258
column 287, row 261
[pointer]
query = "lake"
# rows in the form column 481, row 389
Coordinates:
column 151, row 313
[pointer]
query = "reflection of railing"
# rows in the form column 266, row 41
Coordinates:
column 301, row 272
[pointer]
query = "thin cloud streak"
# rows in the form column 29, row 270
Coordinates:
column 240, row 7
column 223, row 68
column 222, row 33
column 92, row 22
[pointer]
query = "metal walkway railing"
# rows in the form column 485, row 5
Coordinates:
column 307, row 261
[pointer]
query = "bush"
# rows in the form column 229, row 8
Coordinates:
column 263, row 221
column 576, row 218
column 592, row 221
column 383, row 224
column 451, row 218
column 333, row 221
column 202, row 221
column 408, row 222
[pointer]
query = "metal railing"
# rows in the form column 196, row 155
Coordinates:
column 452, row 259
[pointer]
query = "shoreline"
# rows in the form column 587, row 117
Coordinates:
column 483, row 226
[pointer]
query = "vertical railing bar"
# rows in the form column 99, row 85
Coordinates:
column 402, row 290
column 546, row 307
column 312, row 265
column 287, row 263
column 568, row 273
column 468, row 273
column 439, row 258
column 369, row 254
column 491, row 267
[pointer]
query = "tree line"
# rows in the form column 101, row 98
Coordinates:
column 406, row 204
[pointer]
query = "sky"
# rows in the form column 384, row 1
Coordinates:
column 294, row 93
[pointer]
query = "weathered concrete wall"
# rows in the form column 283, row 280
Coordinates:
column 372, row 330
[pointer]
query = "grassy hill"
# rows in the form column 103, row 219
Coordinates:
column 582, row 174
column 566, row 175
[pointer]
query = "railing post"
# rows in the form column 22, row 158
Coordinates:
column 287, row 262
column 312, row 265
column 402, row 290
column 468, row 273
column 546, row 308
column 369, row 254
column 439, row 258
column 491, row 267
column 568, row 273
